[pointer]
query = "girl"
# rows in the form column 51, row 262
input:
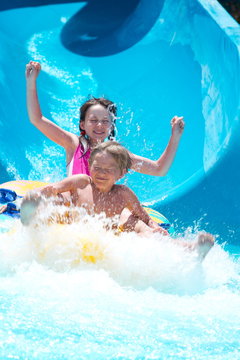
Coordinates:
column 97, row 122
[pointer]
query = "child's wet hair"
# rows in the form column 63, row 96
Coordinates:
column 117, row 151
column 107, row 104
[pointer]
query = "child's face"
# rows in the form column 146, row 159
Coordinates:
column 105, row 171
column 97, row 123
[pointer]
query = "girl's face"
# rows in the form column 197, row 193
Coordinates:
column 105, row 171
column 97, row 123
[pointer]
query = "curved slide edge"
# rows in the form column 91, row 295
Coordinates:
column 215, row 199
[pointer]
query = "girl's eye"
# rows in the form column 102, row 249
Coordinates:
column 103, row 122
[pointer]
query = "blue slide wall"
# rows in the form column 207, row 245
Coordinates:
column 155, row 59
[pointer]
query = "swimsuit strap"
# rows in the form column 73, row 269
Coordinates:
column 79, row 162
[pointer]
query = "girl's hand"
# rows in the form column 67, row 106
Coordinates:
column 33, row 68
column 177, row 124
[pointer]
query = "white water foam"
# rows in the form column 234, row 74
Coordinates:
column 78, row 291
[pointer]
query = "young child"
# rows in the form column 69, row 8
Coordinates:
column 108, row 162
column 97, row 123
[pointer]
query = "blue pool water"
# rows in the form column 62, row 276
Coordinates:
column 142, row 298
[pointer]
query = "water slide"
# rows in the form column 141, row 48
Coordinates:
column 155, row 59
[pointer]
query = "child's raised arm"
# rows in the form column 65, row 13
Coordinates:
column 64, row 138
column 161, row 166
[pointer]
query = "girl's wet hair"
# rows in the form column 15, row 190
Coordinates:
column 107, row 104
column 117, row 151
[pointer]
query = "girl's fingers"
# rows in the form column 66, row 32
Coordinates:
column 33, row 66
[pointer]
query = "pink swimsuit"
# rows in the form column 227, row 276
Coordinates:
column 79, row 163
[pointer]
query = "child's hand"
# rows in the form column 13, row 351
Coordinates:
column 33, row 68
column 32, row 195
column 160, row 230
column 156, row 228
column 177, row 124
column 49, row 190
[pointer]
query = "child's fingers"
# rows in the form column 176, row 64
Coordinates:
column 176, row 119
column 177, row 122
column 161, row 230
column 35, row 64
column 33, row 67
column 32, row 194
column 48, row 191
column 181, row 124
column 28, row 68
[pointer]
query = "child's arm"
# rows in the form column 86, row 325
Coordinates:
column 70, row 183
column 61, row 190
column 130, row 222
column 51, row 130
column 161, row 166
column 133, row 204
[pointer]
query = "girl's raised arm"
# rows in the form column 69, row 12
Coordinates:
column 161, row 166
column 63, row 138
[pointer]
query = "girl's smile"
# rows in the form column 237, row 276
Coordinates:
column 97, row 123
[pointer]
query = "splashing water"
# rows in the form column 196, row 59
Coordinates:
column 77, row 291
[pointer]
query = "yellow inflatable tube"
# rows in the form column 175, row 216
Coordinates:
column 21, row 187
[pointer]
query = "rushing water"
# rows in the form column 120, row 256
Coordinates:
column 79, row 292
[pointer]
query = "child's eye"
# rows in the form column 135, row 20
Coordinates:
column 110, row 171
column 106, row 171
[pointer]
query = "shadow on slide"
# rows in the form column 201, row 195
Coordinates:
column 155, row 59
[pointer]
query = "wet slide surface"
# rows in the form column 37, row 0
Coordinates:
column 155, row 59
column 78, row 291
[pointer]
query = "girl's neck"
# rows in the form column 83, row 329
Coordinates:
column 93, row 143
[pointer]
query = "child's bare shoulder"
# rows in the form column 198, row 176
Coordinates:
column 80, row 180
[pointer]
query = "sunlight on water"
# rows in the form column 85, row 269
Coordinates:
column 80, row 292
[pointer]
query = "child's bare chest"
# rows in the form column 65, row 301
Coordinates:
column 111, row 203
column 110, row 207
